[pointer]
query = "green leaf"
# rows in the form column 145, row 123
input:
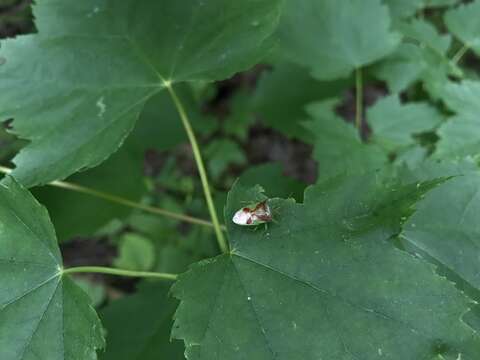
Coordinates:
column 463, row 23
column 152, row 132
column 403, row 68
column 323, row 282
column 338, row 148
column 334, row 37
column 446, row 227
column 95, row 291
column 222, row 153
column 405, row 8
column 400, row 9
column 394, row 124
column 240, row 118
column 440, row 3
column 460, row 136
column 43, row 314
column 91, row 69
column 282, row 94
column 138, row 326
column 273, row 175
column 71, row 211
column 423, row 56
column 135, row 253
column 426, row 34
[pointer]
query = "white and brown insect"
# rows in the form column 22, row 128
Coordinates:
column 254, row 214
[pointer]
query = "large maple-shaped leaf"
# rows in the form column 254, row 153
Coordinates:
column 460, row 136
column 334, row 37
column 76, row 88
column 43, row 314
column 463, row 23
column 323, row 282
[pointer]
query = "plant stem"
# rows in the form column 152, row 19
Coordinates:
column 123, row 201
column 359, row 98
column 222, row 243
column 118, row 272
column 459, row 54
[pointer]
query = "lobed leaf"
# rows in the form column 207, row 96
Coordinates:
column 88, row 73
column 394, row 124
column 459, row 137
column 338, row 148
column 462, row 21
column 43, row 314
column 323, row 282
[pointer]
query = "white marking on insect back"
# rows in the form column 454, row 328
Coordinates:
column 101, row 107
column 242, row 217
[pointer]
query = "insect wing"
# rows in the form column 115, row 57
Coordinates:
column 243, row 217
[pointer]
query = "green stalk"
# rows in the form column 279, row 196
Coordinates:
column 118, row 272
column 222, row 243
column 459, row 54
column 122, row 201
column 359, row 98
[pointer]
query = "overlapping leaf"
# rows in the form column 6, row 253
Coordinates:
column 333, row 38
column 43, row 314
column 394, row 124
column 422, row 56
column 400, row 9
column 76, row 88
column 323, row 282
column 338, row 148
column 463, row 23
column 405, row 8
column 120, row 175
column 282, row 94
column 445, row 225
column 460, row 136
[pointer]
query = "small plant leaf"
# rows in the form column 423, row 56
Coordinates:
column 394, row 124
column 463, row 22
column 135, row 253
column 460, row 136
column 282, row 107
column 422, row 56
column 338, row 148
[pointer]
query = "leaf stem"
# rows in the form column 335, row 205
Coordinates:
column 201, row 167
column 123, row 201
column 459, row 54
column 118, row 272
column 359, row 98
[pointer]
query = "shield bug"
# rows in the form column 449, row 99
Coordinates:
column 252, row 215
